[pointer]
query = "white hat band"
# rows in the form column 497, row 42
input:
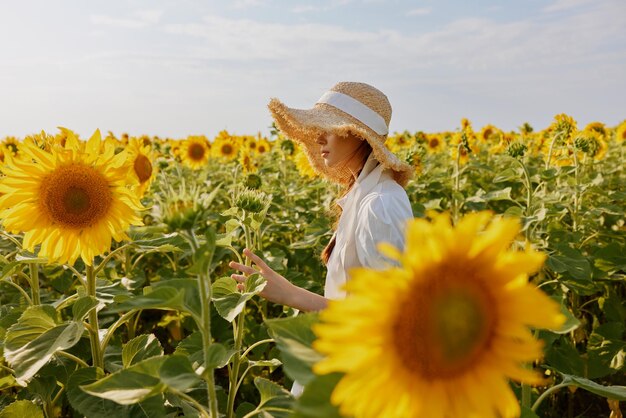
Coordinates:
column 355, row 109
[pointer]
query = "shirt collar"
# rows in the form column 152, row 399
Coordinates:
column 369, row 166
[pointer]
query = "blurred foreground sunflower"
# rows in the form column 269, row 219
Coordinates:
column 440, row 335
column 71, row 200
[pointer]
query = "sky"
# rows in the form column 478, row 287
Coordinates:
column 191, row 67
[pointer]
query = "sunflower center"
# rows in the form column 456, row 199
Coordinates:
column 143, row 168
column 196, row 151
column 75, row 195
column 444, row 327
column 227, row 149
column 261, row 149
column 433, row 143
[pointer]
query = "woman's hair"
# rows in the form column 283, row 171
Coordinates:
column 363, row 151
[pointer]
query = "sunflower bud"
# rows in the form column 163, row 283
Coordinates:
column 516, row 149
column 252, row 201
column 287, row 146
column 180, row 214
column 253, row 181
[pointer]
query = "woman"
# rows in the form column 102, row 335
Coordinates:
column 343, row 137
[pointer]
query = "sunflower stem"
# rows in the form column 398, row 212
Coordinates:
column 34, row 283
column 576, row 191
column 457, row 164
column 545, row 395
column 554, row 139
column 232, row 392
column 526, row 395
column 204, row 287
column 96, row 348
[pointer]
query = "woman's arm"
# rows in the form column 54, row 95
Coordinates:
column 278, row 289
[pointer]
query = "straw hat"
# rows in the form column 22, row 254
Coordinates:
column 347, row 107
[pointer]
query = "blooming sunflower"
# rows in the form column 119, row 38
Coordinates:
column 489, row 134
column 12, row 144
column 195, row 152
column 440, row 334
column 263, row 146
column 248, row 164
column 225, row 148
column 140, row 160
column 454, row 149
column 71, row 200
column 620, row 133
column 434, row 143
column 303, row 165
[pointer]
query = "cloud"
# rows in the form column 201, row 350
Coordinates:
column 304, row 9
column 467, row 44
column 139, row 19
column 246, row 4
column 561, row 5
column 421, row 11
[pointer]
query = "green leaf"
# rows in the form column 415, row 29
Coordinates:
column 83, row 306
column 176, row 372
column 229, row 301
column 203, row 257
column 32, row 341
column 191, row 347
column 145, row 379
column 573, row 267
column 315, row 399
column 509, row 174
column 96, row 407
column 219, row 356
column 276, row 401
column 22, row 409
column 165, row 243
column 174, row 294
column 140, row 348
column 610, row 392
column 131, row 385
column 481, row 196
column 294, row 337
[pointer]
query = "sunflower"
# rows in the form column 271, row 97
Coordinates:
column 249, row 143
column 434, row 143
column 440, row 334
column 248, row 163
column 195, row 151
column 598, row 127
column 140, row 160
column 12, row 144
column 489, row 134
column 71, row 200
column 263, row 146
column 620, row 133
column 302, row 164
column 563, row 126
column 225, row 148
column 454, row 148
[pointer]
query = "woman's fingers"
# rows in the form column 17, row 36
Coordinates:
column 240, row 278
column 256, row 259
column 242, row 268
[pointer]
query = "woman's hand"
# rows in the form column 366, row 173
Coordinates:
column 278, row 289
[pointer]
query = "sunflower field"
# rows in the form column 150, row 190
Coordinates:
column 116, row 297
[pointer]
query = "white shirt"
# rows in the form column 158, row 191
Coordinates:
column 374, row 210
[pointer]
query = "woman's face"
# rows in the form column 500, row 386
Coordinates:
column 336, row 149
